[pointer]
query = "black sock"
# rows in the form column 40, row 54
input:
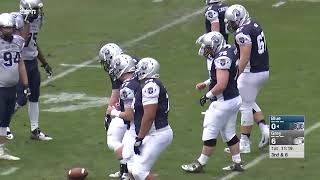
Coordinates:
column 262, row 121
column 248, row 135
column 123, row 168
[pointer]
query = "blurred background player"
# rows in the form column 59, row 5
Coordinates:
column 154, row 133
column 123, row 68
column 253, row 69
column 115, row 127
column 214, row 14
column 32, row 13
column 11, row 70
column 221, row 116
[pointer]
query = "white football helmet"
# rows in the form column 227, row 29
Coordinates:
column 212, row 1
column 211, row 43
column 107, row 53
column 19, row 20
column 120, row 65
column 148, row 68
column 31, row 9
column 235, row 16
column 7, row 20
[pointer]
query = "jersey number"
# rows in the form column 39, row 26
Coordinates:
column 9, row 59
column 262, row 44
column 34, row 37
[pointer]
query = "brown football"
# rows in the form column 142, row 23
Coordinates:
column 77, row 173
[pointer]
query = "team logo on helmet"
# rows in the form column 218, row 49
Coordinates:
column 236, row 12
column 215, row 39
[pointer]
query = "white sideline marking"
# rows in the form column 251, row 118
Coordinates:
column 78, row 65
column 278, row 4
column 9, row 171
column 184, row 18
column 258, row 159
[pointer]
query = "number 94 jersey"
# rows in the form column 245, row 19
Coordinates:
column 30, row 50
column 9, row 60
column 252, row 33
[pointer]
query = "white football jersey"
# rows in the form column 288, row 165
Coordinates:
column 30, row 50
column 9, row 59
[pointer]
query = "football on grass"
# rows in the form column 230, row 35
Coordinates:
column 77, row 173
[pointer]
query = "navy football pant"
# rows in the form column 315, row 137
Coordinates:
column 34, row 83
column 7, row 103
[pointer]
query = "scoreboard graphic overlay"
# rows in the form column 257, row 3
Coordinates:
column 286, row 136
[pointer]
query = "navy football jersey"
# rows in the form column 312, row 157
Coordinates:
column 214, row 13
column 252, row 33
column 227, row 59
column 153, row 92
column 128, row 90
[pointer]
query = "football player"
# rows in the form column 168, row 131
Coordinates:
column 253, row 69
column 11, row 70
column 214, row 14
column 122, row 68
column 151, row 106
column 32, row 13
column 221, row 115
column 115, row 127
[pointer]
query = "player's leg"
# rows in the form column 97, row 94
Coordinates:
column 264, row 128
column 127, row 151
column 152, row 146
column 228, row 134
column 115, row 135
column 7, row 103
column 33, row 105
column 214, row 120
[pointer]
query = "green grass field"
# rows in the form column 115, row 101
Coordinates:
column 74, row 31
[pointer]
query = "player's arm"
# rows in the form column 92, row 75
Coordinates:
column 127, row 96
column 245, row 45
column 44, row 63
column 150, row 96
column 24, row 32
column 212, row 16
column 222, row 64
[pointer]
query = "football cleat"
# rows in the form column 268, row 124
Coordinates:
column 115, row 175
column 125, row 176
column 234, row 167
column 38, row 135
column 9, row 134
column 194, row 167
column 6, row 156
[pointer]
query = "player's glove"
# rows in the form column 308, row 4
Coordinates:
column 137, row 145
column 203, row 100
column 26, row 91
column 107, row 121
column 48, row 70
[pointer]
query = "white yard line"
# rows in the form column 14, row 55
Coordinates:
column 278, row 4
column 258, row 159
column 78, row 65
column 313, row 1
column 9, row 171
column 183, row 18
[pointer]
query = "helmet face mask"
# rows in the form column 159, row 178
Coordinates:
column 212, row 1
